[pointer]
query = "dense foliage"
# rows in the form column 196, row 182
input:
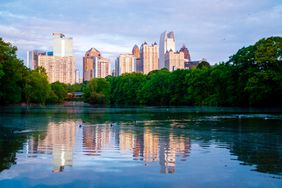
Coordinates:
column 20, row 84
column 97, row 91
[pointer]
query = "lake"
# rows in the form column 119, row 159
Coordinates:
column 84, row 146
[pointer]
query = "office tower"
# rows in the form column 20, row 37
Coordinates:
column 174, row 60
column 60, row 69
column 167, row 43
column 94, row 65
column 102, row 67
column 62, row 46
column 136, row 52
column 125, row 63
column 59, row 64
column 139, row 66
column 88, row 63
column 77, row 77
column 32, row 58
column 187, row 57
column 149, row 57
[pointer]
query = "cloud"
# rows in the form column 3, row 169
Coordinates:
column 211, row 29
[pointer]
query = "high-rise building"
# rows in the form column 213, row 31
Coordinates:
column 102, row 67
column 136, row 52
column 62, row 46
column 139, row 66
column 125, row 63
column 167, row 43
column 32, row 58
column 88, row 63
column 174, row 60
column 77, row 76
column 187, row 57
column 94, row 65
column 60, row 69
column 149, row 57
column 59, row 64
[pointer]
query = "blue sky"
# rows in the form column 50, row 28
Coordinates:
column 211, row 29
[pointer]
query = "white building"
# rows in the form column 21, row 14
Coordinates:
column 77, row 76
column 62, row 46
column 167, row 43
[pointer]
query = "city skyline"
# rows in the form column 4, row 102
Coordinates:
column 213, row 30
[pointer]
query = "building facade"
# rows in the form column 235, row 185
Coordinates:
column 62, row 46
column 77, row 76
column 167, row 43
column 187, row 57
column 88, row 63
column 174, row 60
column 149, row 55
column 102, row 67
column 59, row 64
column 32, row 58
column 60, row 69
column 125, row 63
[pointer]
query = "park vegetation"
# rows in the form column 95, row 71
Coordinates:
column 18, row 84
column 251, row 77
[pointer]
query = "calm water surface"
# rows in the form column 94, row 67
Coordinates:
column 82, row 146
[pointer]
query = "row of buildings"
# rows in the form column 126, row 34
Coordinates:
column 151, row 57
column 60, row 62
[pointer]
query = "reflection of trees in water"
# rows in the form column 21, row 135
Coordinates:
column 254, row 141
column 9, row 145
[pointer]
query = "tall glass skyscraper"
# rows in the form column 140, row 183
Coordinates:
column 167, row 43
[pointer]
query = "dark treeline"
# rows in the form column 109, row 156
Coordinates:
column 251, row 77
column 20, row 84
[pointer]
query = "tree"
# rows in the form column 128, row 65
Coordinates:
column 97, row 91
column 12, row 73
column 59, row 90
column 36, row 88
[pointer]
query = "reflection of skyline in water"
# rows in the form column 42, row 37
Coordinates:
column 162, row 143
column 142, row 144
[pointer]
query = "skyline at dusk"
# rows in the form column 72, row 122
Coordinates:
column 210, row 29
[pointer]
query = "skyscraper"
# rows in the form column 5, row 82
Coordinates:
column 60, row 69
column 94, row 65
column 59, row 65
column 136, row 53
column 32, row 58
column 167, row 43
column 62, row 46
column 187, row 57
column 102, row 67
column 174, row 60
column 149, row 57
column 88, row 63
column 77, row 76
column 125, row 63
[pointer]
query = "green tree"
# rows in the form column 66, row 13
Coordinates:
column 36, row 88
column 97, row 91
column 12, row 73
column 59, row 90
column 155, row 91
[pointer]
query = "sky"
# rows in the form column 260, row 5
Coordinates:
column 211, row 29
